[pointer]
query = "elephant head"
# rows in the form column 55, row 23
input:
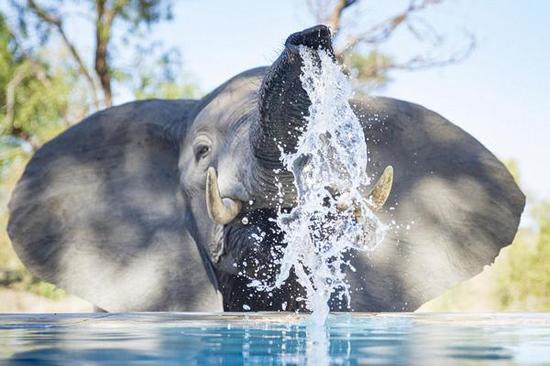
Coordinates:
column 168, row 205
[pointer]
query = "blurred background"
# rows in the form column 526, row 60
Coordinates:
column 481, row 64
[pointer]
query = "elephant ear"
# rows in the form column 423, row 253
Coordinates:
column 452, row 208
column 98, row 212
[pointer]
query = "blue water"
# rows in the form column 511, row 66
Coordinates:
column 275, row 339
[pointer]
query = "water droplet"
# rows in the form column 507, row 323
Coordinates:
column 331, row 152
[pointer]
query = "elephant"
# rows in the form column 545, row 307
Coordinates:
column 153, row 205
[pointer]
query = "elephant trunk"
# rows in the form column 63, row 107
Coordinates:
column 283, row 107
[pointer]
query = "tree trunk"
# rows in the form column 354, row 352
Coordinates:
column 103, row 33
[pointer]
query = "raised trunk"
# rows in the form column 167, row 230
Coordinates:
column 283, row 106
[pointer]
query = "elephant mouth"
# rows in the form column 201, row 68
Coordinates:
column 223, row 211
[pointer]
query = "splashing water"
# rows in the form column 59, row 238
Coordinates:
column 332, row 217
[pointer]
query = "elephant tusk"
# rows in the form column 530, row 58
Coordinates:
column 377, row 196
column 381, row 191
column 221, row 211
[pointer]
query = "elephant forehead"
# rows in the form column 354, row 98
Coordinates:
column 224, row 114
column 228, row 107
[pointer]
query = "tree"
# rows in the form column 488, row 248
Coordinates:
column 524, row 280
column 115, row 23
column 359, row 51
column 34, row 106
column 34, row 99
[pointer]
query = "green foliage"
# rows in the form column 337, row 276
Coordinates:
column 33, row 105
column 135, row 14
column 524, row 280
column 46, row 290
column 119, row 28
column 34, row 101
column 22, row 280
column 147, row 11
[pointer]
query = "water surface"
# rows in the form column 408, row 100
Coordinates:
column 275, row 339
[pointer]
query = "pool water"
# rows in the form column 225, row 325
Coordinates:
column 274, row 339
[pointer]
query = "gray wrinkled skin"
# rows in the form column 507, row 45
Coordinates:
column 113, row 210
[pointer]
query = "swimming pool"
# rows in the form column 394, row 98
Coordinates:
column 274, row 339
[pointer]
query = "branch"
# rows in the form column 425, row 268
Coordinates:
column 58, row 25
column 334, row 20
column 420, row 63
column 428, row 34
column 43, row 14
column 111, row 14
column 383, row 30
column 378, row 68
column 12, row 85
column 36, row 67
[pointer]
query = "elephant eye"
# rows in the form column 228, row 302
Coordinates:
column 201, row 151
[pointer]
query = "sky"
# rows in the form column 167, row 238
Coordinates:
column 500, row 94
